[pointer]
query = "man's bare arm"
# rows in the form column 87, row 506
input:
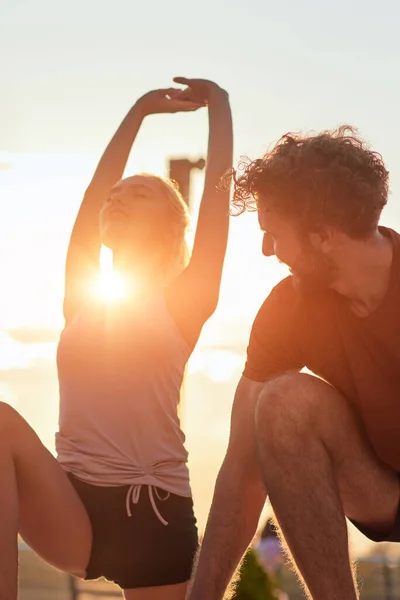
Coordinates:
column 238, row 500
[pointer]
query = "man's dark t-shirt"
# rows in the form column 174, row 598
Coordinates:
column 358, row 356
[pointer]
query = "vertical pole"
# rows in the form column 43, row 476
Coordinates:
column 180, row 170
column 387, row 579
column 72, row 588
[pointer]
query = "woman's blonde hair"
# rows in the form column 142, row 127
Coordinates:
column 176, row 256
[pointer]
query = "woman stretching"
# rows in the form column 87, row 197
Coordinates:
column 117, row 502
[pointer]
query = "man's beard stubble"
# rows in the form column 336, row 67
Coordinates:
column 314, row 272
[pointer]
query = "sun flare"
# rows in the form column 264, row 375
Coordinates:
column 110, row 285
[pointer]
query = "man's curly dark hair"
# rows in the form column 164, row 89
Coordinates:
column 332, row 178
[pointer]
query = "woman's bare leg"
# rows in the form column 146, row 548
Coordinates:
column 38, row 501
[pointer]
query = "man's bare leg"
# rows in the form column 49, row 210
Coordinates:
column 318, row 466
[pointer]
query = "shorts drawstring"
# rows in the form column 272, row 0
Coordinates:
column 133, row 495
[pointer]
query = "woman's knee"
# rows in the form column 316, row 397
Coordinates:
column 9, row 419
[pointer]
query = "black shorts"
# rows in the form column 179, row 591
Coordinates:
column 139, row 550
column 378, row 536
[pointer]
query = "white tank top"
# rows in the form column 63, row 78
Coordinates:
column 120, row 368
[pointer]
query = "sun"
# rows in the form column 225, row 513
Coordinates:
column 110, row 285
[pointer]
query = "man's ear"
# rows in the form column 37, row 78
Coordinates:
column 324, row 240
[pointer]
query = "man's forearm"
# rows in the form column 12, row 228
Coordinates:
column 235, row 512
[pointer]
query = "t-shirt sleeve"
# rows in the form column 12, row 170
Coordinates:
column 274, row 346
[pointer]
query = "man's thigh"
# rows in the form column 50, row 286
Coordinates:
column 297, row 406
column 369, row 489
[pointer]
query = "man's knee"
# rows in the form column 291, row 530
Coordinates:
column 291, row 406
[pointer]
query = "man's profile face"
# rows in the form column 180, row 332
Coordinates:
column 311, row 268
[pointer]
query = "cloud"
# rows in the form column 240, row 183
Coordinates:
column 34, row 335
column 33, row 391
column 12, row 354
column 25, row 348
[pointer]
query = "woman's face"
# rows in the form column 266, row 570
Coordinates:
column 134, row 215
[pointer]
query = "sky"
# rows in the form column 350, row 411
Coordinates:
column 69, row 74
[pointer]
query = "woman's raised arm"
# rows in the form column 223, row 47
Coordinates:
column 193, row 296
column 82, row 263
